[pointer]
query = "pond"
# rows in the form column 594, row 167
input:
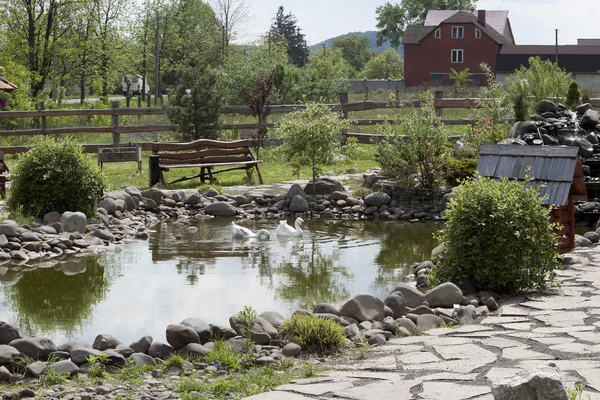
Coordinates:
column 146, row 285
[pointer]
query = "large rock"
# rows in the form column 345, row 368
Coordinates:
column 545, row 106
column 73, row 221
column 291, row 350
column 590, row 119
column 411, row 295
column 541, row 383
column 109, row 205
column 222, row 332
column 120, row 195
column 38, row 348
column 160, row 350
column 105, row 342
column 203, row 329
column 35, row 369
column 581, row 241
column 64, row 367
column 364, row 307
column 274, row 318
column 220, row 209
column 444, row 295
column 296, row 190
column 324, row 186
column 299, row 204
column 325, row 308
column 8, row 333
column 593, row 237
column 8, row 353
column 377, row 199
column 262, row 330
column 74, row 344
column 153, row 194
column 194, row 349
column 80, row 356
column 428, row 321
column 50, row 218
column 9, row 228
column 178, row 335
column 142, row 359
column 395, row 301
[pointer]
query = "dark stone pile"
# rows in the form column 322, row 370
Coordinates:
column 556, row 125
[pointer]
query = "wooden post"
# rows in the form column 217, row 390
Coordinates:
column 139, row 105
column 42, row 107
column 148, row 98
column 128, row 100
column 116, row 137
column 344, row 100
column 153, row 169
column 439, row 94
column 366, row 89
column 397, row 95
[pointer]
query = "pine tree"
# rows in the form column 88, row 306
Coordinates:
column 286, row 25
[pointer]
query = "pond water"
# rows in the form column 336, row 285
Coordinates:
column 146, row 285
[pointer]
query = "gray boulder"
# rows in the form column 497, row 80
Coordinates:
column 364, row 307
column 194, row 349
column 50, row 218
column 541, row 383
column 123, row 350
column 274, row 318
column 411, row 295
column 178, row 335
column 325, row 308
column 590, row 119
column 581, row 241
column 133, row 191
column 35, row 369
column 104, row 234
column 75, row 344
column 9, row 228
column 377, row 340
column 193, row 198
column 291, row 350
column 593, row 237
column 212, row 192
column 8, row 333
column 160, row 350
column 395, row 301
column 377, row 199
column 545, row 106
column 294, row 191
column 109, row 205
column 38, row 348
column 142, row 359
column 203, row 329
column 120, row 195
column 73, row 221
column 80, row 356
column 105, row 342
column 324, row 186
column 444, row 295
column 154, row 194
column 222, row 332
column 8, row 353
column 220, row 209
column 351, row 330
column 299, row 204
column 64, row 367
column 428, row 321
column 5, row 375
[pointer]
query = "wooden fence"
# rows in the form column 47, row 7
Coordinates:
column 116, row 129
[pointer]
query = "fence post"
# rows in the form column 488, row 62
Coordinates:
column 366, row 89
column 148, row 98
column 139, row 105
column 153, row 169
column 397, row 95
column 116, row 137
column 128, row 100
column 42, row 107
column 439, row 94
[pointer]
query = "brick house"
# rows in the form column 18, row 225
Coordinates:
column 454, row 39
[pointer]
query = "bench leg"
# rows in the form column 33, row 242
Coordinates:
column 211, row 178
column 3, row 189
column 202, row 175
column 260, row 179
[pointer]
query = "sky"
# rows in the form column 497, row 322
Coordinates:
column 532, row 21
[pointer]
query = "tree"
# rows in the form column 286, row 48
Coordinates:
column 355, row 50
column 384, row 65
column 392, row 19
column 230, row 14
column 260, row 104
column 286, row 25
column 573, row 95
column 327, row 75
column 460, row 79
column 312, row 137
column 196, row 103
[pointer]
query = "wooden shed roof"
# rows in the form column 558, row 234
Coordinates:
column 551, row 168
column 6, row 86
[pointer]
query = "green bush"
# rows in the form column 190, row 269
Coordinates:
column 498, row 235
column 459, row 169
column 55, row 176
column 314, row 334
column 573, row 95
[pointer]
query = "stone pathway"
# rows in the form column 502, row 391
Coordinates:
column 562, row 326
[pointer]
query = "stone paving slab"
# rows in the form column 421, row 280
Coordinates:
column 451, row 391
column 564, row 319
column 465, row 351
column 523, row 353
column 501, row 343
column 418, row 358
column 380, row 390
column 318, row 389
column 458, row 366
column 276, row 395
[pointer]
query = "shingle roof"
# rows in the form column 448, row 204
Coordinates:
column 6, row 86
column 550, row 49
column 414, row 34
column 551, row 168
column 496, row 19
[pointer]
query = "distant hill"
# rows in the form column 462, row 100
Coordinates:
column 369, row 34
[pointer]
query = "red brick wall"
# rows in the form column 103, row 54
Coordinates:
column 434, row 55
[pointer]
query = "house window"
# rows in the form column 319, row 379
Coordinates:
column 477, row 33
column 438, row 33
column 457, row 56
column 477, row 78
column 458, row 32
column 437, row 77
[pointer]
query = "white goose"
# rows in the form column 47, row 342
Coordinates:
column 241, row 232
column 285, row 230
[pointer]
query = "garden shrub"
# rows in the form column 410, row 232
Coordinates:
column 314, row 334
column 573, row 95
column 415, row 147
column 498, row 235
column 55, row 176
column 459, row 169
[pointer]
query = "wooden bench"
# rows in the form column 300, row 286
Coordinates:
column 204, row 154
column 4, row 175
column 121, row 153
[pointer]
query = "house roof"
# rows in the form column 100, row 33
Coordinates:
column 414, row 34
column 551, row 168
column 496, row 19
column 575, row 59
column 6, row 86
column 550, row 49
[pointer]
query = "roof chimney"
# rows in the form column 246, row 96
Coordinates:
column 481, row 17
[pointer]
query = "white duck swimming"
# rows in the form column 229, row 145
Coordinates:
column 241, row 232
column 285, row 230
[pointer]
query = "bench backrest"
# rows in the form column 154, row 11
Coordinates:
column 204, row 151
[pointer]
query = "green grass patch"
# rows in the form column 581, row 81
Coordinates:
column 315, row 334
column 225, row 355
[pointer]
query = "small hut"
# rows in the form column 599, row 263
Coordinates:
column 6, row 86
column 556, row 170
